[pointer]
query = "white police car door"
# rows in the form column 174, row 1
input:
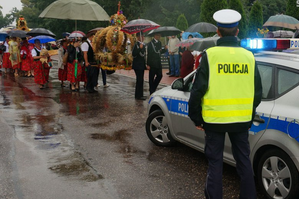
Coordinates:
column 264, row 110
column 184, row 128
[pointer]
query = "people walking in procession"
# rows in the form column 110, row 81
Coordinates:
column 139, row 65
column 14, row 51
column 26, row 58
column 154, row 50
column 41, row 70
column 74, row 67
column 62, row 62
column 223, row 103
column 90, row 64
column 6, row 63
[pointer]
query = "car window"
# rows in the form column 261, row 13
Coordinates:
column 266, row 73
column 286, row 80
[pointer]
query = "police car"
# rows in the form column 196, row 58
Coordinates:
column 274, row 135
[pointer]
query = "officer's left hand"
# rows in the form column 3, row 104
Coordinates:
column 200, row 128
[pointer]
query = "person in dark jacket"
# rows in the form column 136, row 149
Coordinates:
column 74, row 67
column 139, row 65
column 225, row 102
column 154, row 51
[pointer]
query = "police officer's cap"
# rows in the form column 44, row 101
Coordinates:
column 227, row 18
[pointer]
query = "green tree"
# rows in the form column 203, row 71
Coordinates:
column 292, row 9
column 182, row 22
column 237, row 5
column 255, row 19
column 209, row 7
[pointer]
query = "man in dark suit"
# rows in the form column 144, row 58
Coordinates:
column 154, row 51
column 139, row 65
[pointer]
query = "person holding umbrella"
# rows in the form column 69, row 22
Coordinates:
column 154, row 65
column 26, row 58
column 74, row 67
column 139, row 65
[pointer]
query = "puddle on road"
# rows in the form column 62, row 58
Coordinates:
column 120, row 135
column 74, row 165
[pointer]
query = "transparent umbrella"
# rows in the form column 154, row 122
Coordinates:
column 75, row 10
column 283, row 21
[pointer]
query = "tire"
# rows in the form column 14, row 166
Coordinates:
column 277, row 175
column 157, row 129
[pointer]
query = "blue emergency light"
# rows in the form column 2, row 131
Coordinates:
column 265, row 44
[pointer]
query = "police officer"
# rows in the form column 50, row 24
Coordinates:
column 225, row 93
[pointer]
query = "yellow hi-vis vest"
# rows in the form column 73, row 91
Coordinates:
column 230, row 94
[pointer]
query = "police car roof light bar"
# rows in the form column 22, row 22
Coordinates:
column 265, row 44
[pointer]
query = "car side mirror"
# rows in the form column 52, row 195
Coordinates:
column 178, row 84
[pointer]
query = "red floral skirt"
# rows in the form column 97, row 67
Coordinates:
column 41, row 72
column 6, row 63
column 62, row 74
column 71, row 72
column 26, row 64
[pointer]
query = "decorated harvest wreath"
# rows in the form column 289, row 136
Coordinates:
column 111, row 44
column 22, row 24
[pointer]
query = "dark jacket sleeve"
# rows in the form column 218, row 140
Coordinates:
column 199, row 88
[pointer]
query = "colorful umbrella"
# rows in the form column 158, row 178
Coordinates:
column 202, row 27
column 185, row 35
column 40, row 31
column 165, row 31
column 43, row 39
column 188, row 42
column 139, row 25
column 3, row 35
column 283, row 21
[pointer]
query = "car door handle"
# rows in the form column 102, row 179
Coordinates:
column 258, row 119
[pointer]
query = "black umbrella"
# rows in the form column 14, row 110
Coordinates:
column 202, row 27
column 165, row 31
column 17, row 33
column 40, row 31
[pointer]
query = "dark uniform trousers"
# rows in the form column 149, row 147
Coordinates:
column 214, row 153
column 92, row 74
column 139, row 83
column 155, row 76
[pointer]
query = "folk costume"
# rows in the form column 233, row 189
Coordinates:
column 5, row 61
column 62, row 71
column 14, row 54
column 41, row 70
column 26, row 57
column 74, row 72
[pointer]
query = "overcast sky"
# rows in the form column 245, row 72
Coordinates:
column 7, row 5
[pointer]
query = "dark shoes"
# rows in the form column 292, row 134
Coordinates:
column 140, row 98
column 168, row 73
column 92, row 91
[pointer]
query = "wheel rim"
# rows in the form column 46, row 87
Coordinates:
column 159, row 129
column 276, row 178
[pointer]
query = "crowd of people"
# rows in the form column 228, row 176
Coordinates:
column 76, row 62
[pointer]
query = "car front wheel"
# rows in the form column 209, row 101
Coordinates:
column 157, row 129
column 277, row 175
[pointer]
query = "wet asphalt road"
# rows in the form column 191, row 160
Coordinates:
column 59, row 144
